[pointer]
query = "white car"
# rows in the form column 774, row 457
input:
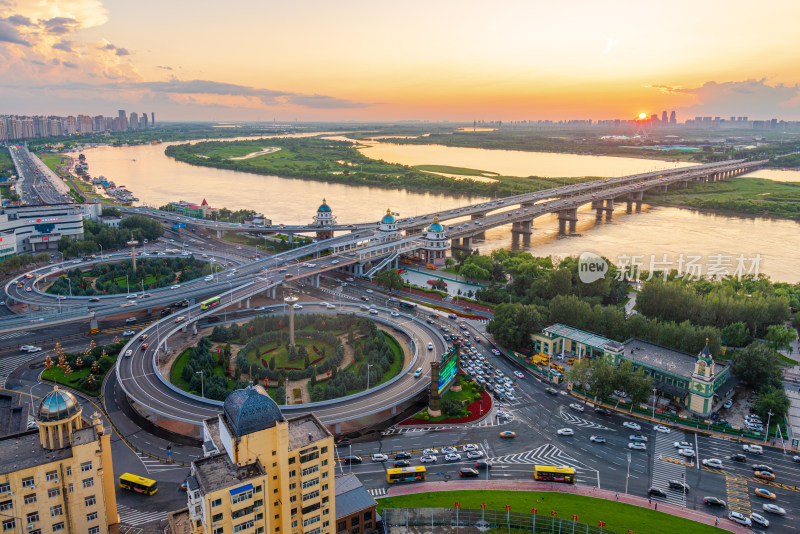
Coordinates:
column 428, row 459
column 430, row 452
column 597, row 439
column 689, row 453
column 760, row 519
column 128, row 353
column 713, row 462
column 430, row 346
column 576, row 407
column 378, row 457
column 129, row 333
column 474, row 455
column 176, row 286
column 330, row 307
column 418, row 372
column 663, row 429
column 453, row 457
column 449, row 450
column 773, row 509
column 637, row 445
column 632, row 425
column 469, row 447
column 510, row 396
column 683, row 445
column 565, row 432
column 519, row 374
column 736, row 517
column 369, row 291
column 297, row 307
column 728, row 403
column 373, row 311
column 394, row 314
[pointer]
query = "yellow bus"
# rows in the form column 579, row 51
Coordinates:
column 138, row 484
column 405, row 474
column 210, row 303
column 554, row 473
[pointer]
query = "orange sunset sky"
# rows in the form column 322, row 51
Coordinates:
column 372, row 60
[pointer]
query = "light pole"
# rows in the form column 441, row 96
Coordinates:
column 654, row 402
column 70, row 285
column 769, row 416
column 629, row 473
column 127, row 283
column 101, row 252
column 225, row 310
column 368, row 366
column 62, row 258
column 202, row 374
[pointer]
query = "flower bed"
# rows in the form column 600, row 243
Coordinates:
column 474, row 410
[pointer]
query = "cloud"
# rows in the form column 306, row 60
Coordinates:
column 9, row 34
column 109, row 46
column 164, row 67
column 123, row 52
column 70, row 64
column 754, row 98
column 324, row 102
column 60, row 25
column 66, row 46
column 19, row 20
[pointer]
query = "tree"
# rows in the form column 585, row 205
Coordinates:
column 780, row 338
column 736, row 334
column 390, row 279
column 470, row 271
column 601, row 382
column 280, row 395
column 272, row 363
column 640, row 387
column 580, row 373
column 513, row 324
column 772, row 399
column 451, row 407
column 758, row 365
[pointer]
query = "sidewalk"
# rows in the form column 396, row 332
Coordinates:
column 518, row 485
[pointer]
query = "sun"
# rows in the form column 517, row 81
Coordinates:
column 642, row 116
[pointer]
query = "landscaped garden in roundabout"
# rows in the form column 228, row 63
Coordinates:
column 85, row 370
column 330, row 359
column 119, row 277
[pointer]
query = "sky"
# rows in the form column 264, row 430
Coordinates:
column 458, row 60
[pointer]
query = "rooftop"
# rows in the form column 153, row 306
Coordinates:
column 24, row 451
column 351, row 496
column 82, row 436
column 13, row 415
column 585, row 338
column 658, row 357
column 217, row 472
column 305, row 429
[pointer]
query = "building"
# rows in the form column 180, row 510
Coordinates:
column 697, row 383
column 59, row 477
column 435, row 244
column 203, row 211
column 324, row 220
column 33, row 229
column 111, row 221
column 262, row 473
column 356, row 510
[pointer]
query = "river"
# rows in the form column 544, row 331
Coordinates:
column 157, row 179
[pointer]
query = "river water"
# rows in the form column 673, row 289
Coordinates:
column 156, row 179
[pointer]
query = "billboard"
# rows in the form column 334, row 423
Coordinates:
column 448, row 367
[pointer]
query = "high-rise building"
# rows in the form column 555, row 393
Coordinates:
column 59, row 477
column 664, row 117
column 152, row 119
column 672, row 119
column 123, row 120
column 143, row 121
column 134, row 121
column 262, row 471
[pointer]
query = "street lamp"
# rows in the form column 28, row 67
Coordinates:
column 368, row 366
column 69, row 281
column 127, row 283
column 202, row 374
column 654, row 402
column 225, row 309
column 769, row 416
column 101, row 252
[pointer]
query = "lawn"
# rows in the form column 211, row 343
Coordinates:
column 454, row 170
column 52, row 160
column 394, row 369
column 175, row 373
column 618, row 516
column 469, row 392
column 281, row 355
column 121, row 281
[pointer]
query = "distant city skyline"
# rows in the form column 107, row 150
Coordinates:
column 356, row 60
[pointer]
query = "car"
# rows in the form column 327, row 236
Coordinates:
column 176, row 286
column 402, row 463
column 131, row 296
column 142, row 337
column 577, row 407
column 677, row 484
column 764, row 475
column 713, row 462
column 127, row 333
column 773, row 509
column 378, row 457
column 713, row 501
column 637, row 437
column 474, row 455
column 430, row 346
column 483, row 464
column 343, row 443
column 469, row 447
column 429, row 452
column 453, row 457
column 736, row 517
column 597, row 439
column 508, row 434
column 503, row 415
column 128, row 353
column 765, row 494
column 551, row 391
column 632, row 425
column 352, row 460
column 402, row 455
column 763, row 467
column 752, row 449
column 144, row 346
column 602, row 411
column 655, row 492
column 683, row 445
column 28, row 289
column 180, row 318
column 739, row 458
column 427, row 459
column 449, row 450
column 565, row 432
column 370, row 291
column 728, row 403
column 688, row 453
column 796, row 459
column 663, row 429
column 94, row 299
column 510, row 396
column 518, row 374
column 759, row 519
column 620, row 393
column 373, row 311
column 637, row 446
column 468, row 472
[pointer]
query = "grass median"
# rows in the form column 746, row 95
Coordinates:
column 618, row 516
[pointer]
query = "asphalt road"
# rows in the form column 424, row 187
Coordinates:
column 36, row 183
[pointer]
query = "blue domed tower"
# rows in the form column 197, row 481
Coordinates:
column 388, row 223
column 324, row 220
column 435, row 243
column 58, row 415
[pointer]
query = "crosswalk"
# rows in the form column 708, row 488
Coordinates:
column 153, row 465
column 574, row 420
column 668, row 465
column 550, row 455
column 338, row 294
column 134, row 518
column 12, row 335
column 488, row 421
column 8, row 365
column 377, row 492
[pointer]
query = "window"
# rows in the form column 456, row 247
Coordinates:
column 244, row 526
column 69, row 471
column 91, row 516
column 308, row 457
column 259, row 517
column 292, row 460
column 90, row 501
column 324, row 487
column 325, row 524
column 259, row 502
column 293, row 498
column 30, row 499
column 27, row 482
column 56, row 511
column 257, row 489
column 355, row 520
column 70, row 487
column 274, row 453
column 53, row 492
column 216, row 517
column 6, row 505
column 86, row 466
column 324, row 474
column 242, row 497
column 342, row 525
column 94, row 530
column 37, row 531
column 9, row 524
column 236, row 514
column 219, row 530
column 323, row 450
column 309, row 470
column 5, row 487
column 51, row 476
column 58, row 527
column 310, row 483
column 216, row 502
column 33, row 517
column 88, row 482
column 310, row 521
column 324, row 462
column 368, row 515
column 308, row 496
column 260, row 530
column 292, row 473
column 324, row 500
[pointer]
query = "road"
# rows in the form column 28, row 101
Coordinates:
column 36, row 183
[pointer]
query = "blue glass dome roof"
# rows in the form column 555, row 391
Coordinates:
column 324, row 207
column 249, row 411
column 57, row 405
column 435, row 226
column 388, row 218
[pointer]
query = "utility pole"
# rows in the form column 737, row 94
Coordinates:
column 202, row 382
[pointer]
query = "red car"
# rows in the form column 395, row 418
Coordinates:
column 144, row 346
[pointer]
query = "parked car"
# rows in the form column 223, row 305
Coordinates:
column 736, row 517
